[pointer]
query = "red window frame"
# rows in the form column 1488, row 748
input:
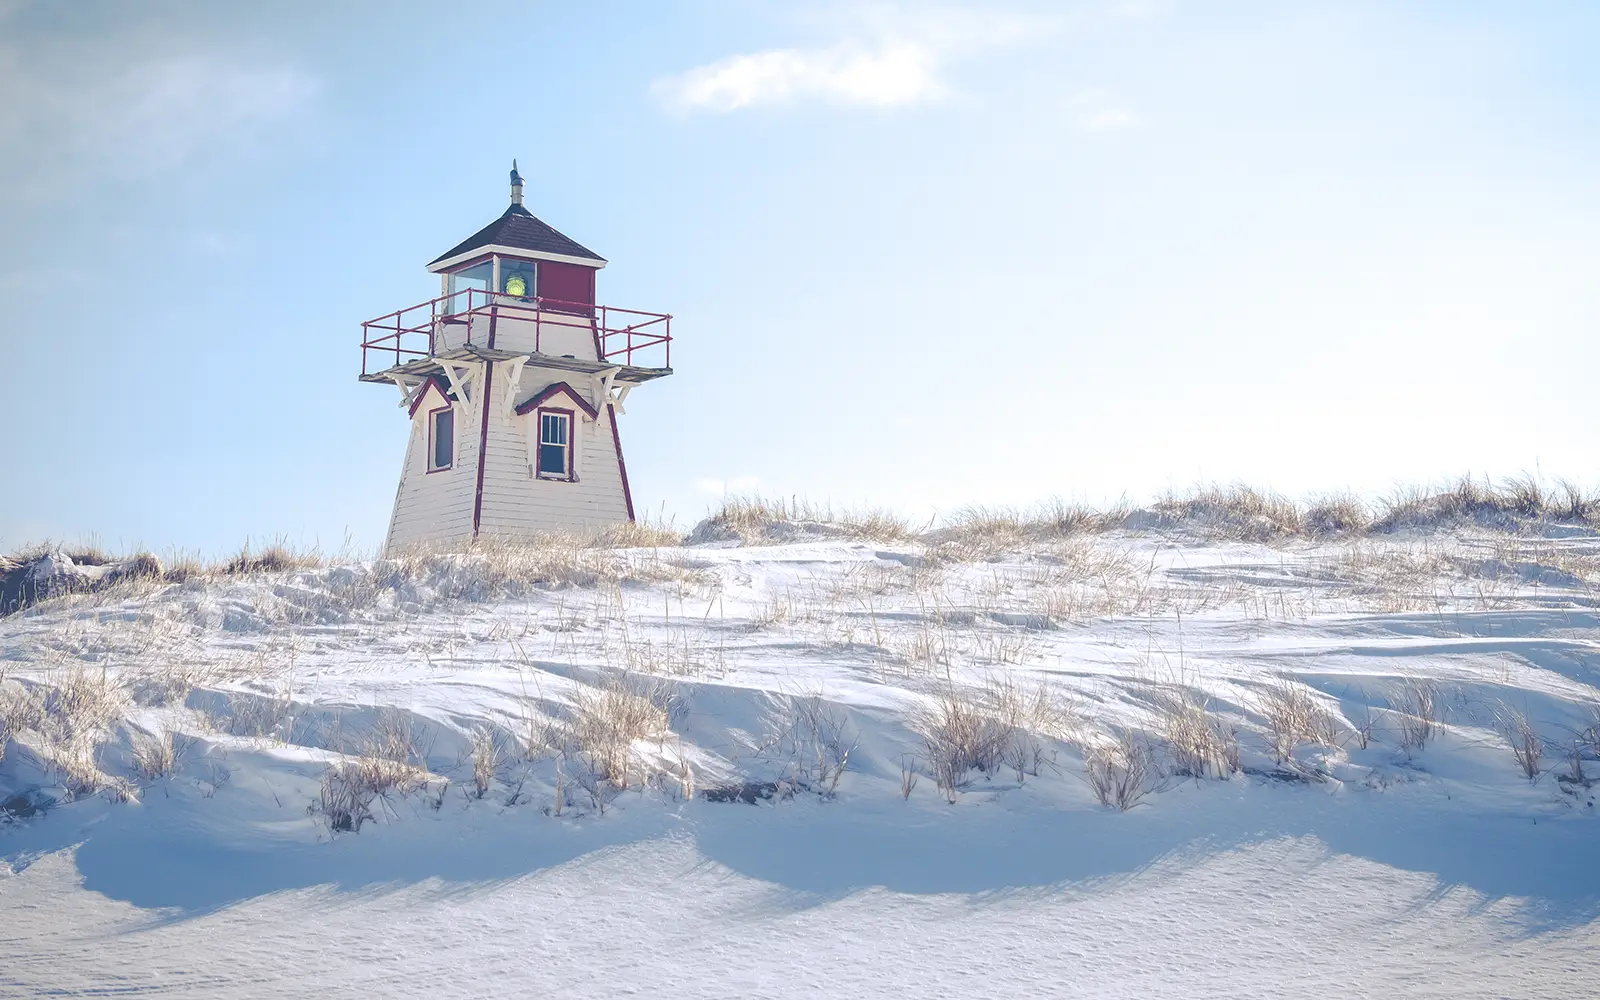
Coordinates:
column 571, row 475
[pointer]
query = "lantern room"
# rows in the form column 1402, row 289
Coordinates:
column 517, row 286
column 519, row 257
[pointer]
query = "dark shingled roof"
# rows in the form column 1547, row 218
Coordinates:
column 518, row 228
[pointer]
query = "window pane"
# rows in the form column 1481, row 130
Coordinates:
column 517, row 277
column 552, row 460
column 555, row 459
column 473, row 278
column 444, row 437
column 552, row 428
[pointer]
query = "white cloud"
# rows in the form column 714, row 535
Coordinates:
column 1098, row 110
column 889, row 75
column 888, row 57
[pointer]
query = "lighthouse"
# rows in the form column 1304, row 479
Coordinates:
column 513, row 379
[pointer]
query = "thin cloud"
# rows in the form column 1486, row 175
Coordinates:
column 891, row 75
column 1098, row 110
column 173, row 108
column 87, row 108
column 1140, row 9
column 888, row 58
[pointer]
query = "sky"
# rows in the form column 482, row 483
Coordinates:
column 918, row 255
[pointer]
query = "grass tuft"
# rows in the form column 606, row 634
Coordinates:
column 1294, row 719
column 1237, row 511
column 1119, row 770
column 1201, row 743
column 756, row 520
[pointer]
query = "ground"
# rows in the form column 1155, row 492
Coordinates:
column 830, row 766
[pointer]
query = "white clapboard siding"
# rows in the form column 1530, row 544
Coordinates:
column 454, row 333
column 557, row 334
column 517, row 502
column 435, row 506
column 438, row 507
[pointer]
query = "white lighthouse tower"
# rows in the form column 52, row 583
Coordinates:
column 513, row 379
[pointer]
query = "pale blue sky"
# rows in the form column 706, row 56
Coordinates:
column 919, row 255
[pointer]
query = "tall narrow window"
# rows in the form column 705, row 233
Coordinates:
column 555, row 445
column 441, row 439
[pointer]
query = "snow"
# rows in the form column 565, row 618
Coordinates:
column 1345, row 872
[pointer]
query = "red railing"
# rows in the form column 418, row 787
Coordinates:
column 419, row 331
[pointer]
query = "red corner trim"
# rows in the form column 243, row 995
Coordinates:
column 437, row 382
column 622, row 467
column 555, row 390
column 483, row 445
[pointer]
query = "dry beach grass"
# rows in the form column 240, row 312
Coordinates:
column 968, row 627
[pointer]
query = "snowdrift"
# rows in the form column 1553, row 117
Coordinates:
column 984, row 763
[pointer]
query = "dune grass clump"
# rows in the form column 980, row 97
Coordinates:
column 392, row 761
column 21, row 710
column 1294, row 719
column 492, row 567
column 64, row 723
column 812, row 742
column 988, row 728
column 1570, row 502
column 1245, row 513
column 600, row 742
column 1201, row 743
column 1527, row 748
column 1237, row 511
column 157, row 756
column 275, row 558
column 757, row 520
column 83, row 701
column 1415, row 707
column 352, row 788
column 637, row 535
column 1336, row 514
column 489, row 752
column 1119, row 769
column 984, row 534
column 1507, row 505
column 46, row 572
column 958, row 737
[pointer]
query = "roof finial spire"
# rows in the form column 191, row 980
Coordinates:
column 516, row 184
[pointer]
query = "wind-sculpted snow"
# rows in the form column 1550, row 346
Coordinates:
column 817, row 768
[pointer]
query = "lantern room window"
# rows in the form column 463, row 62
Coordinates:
column 517, row 278
column 441, row 439
column 555, row 444
column 478, row 278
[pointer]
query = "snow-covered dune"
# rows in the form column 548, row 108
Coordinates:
column 1101, row 765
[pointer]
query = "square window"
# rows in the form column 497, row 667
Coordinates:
column 555, row 445
column 517, row 278
column 441, row 439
